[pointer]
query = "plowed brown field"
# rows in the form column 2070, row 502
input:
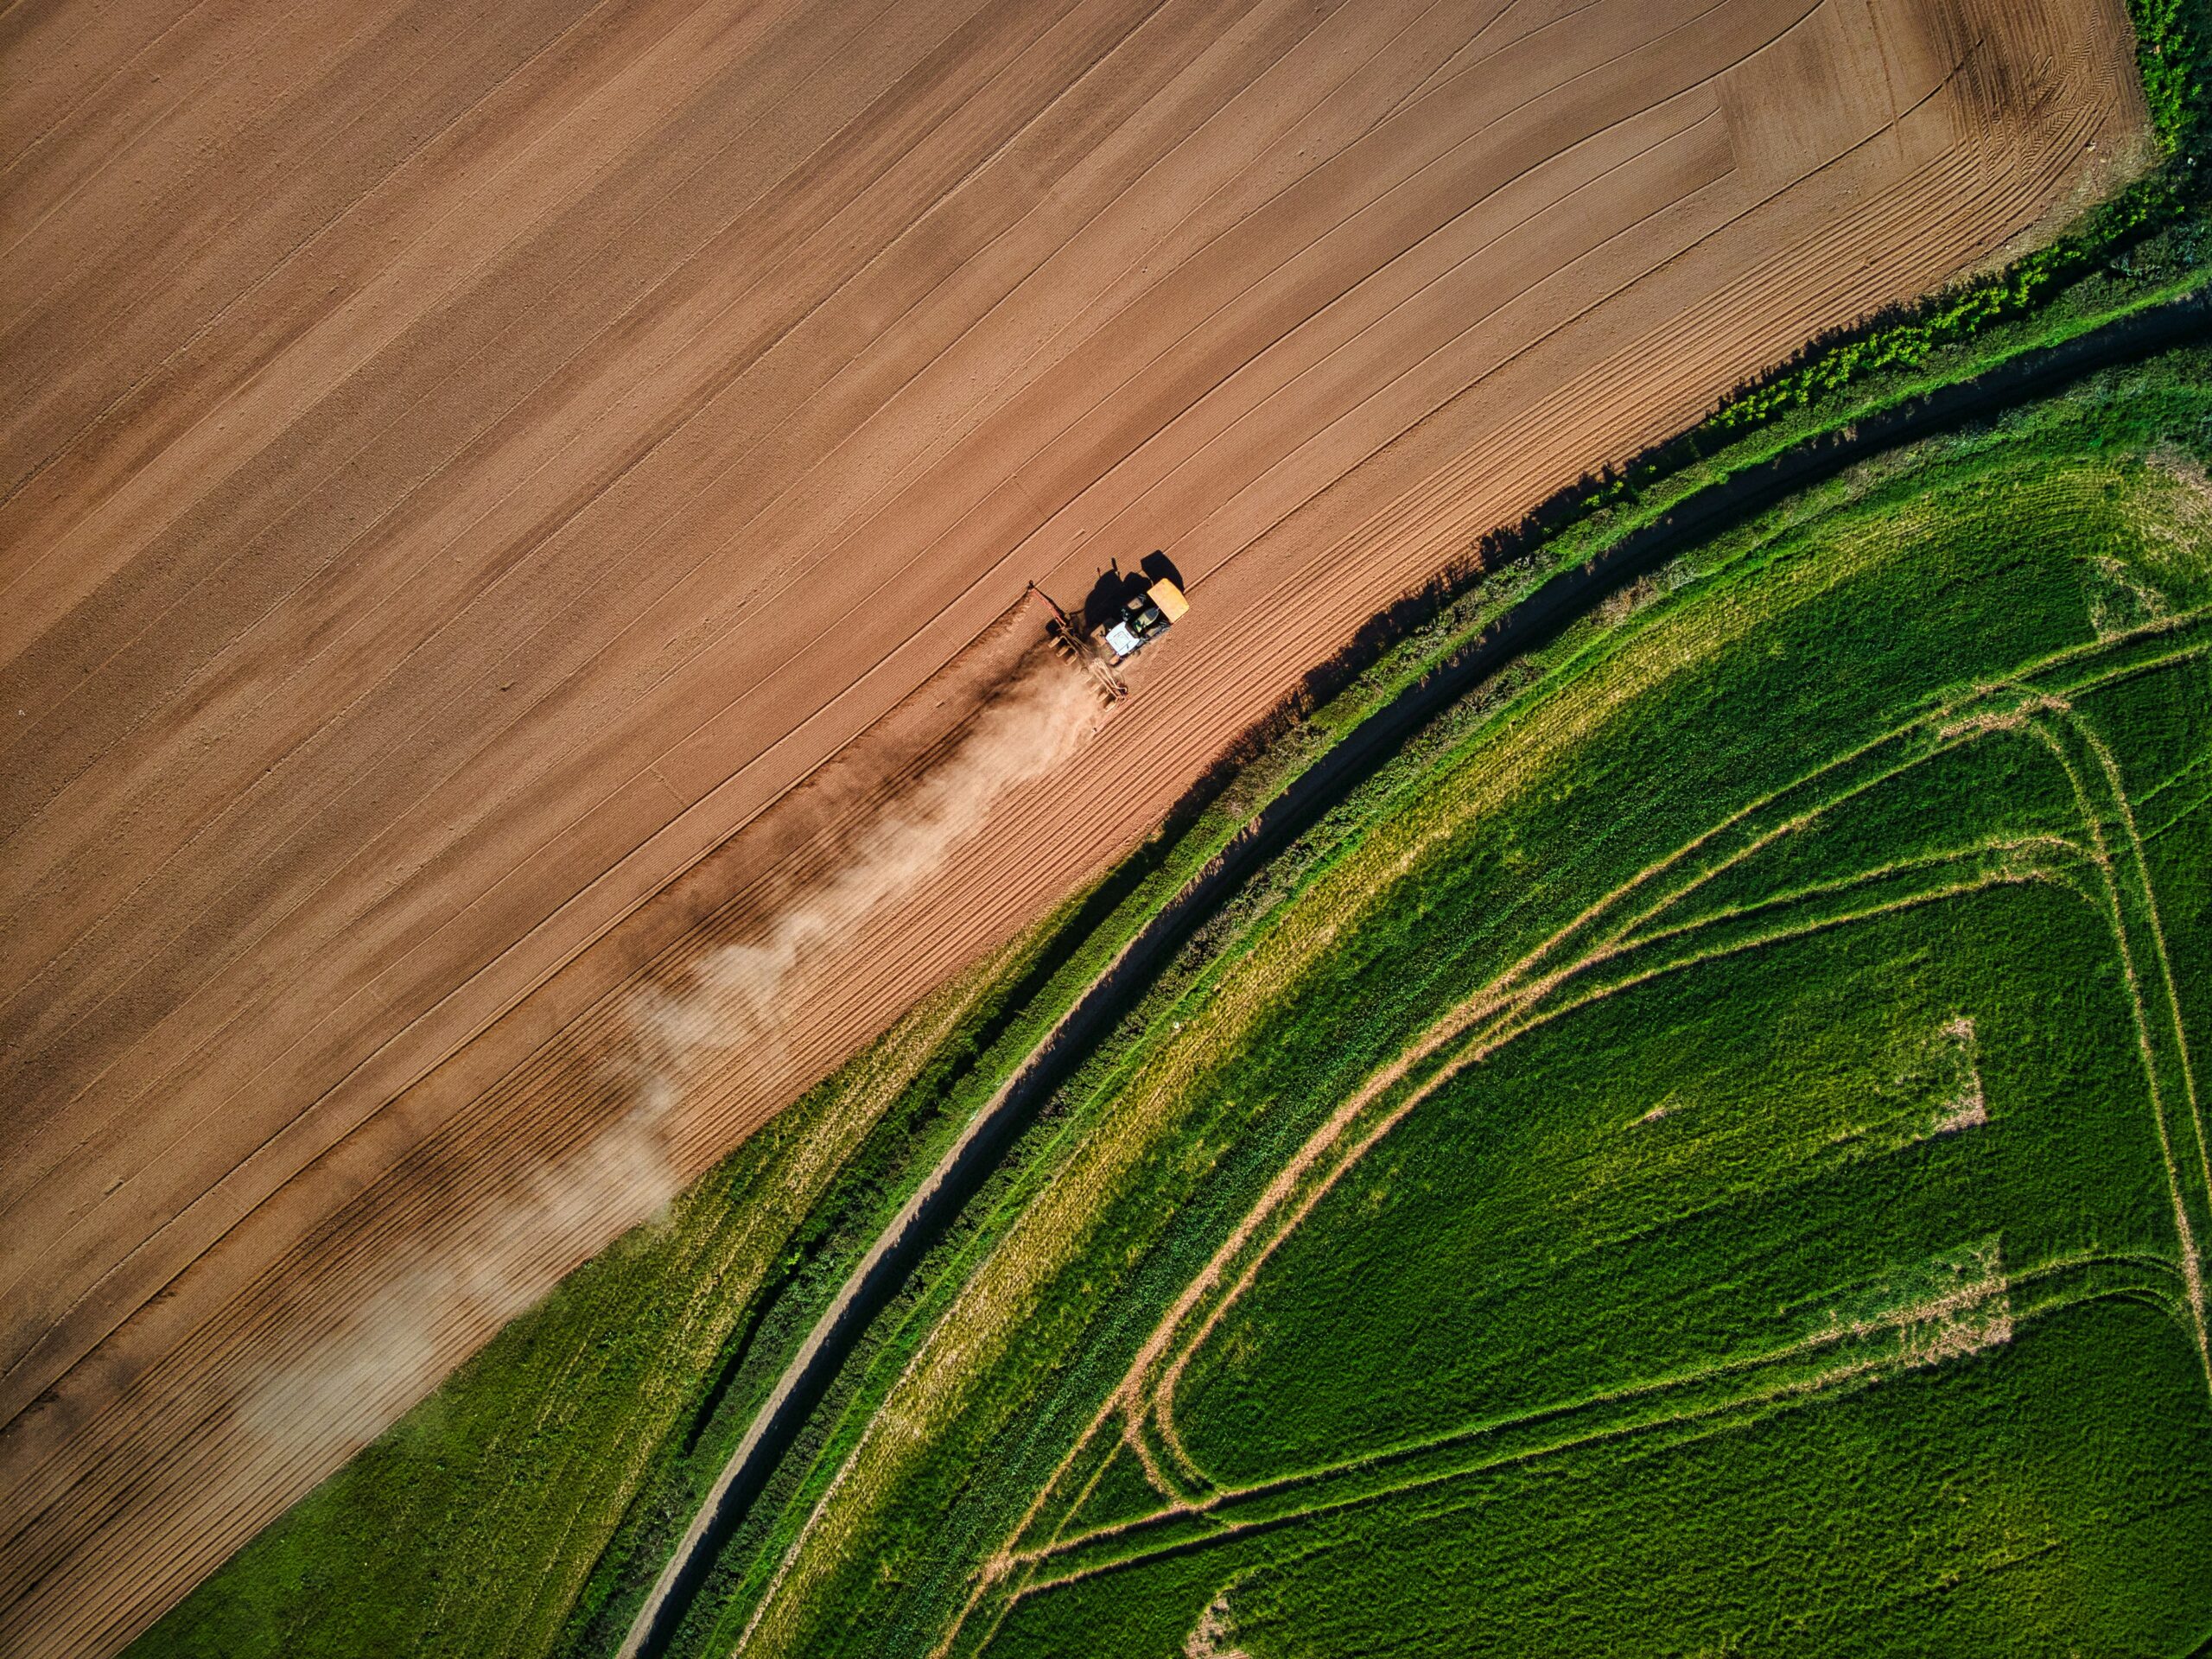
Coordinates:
column 463, row 464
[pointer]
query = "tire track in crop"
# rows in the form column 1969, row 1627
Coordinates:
column 1552, row 980
column 1600, row 953
column 2131, row 912
column 1713, row 1399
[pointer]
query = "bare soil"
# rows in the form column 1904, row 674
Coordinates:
column 460, row 468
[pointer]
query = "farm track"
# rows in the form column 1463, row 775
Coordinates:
column 1719, row 1397
column 458, row 472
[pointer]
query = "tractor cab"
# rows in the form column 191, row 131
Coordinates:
column 1147, row 616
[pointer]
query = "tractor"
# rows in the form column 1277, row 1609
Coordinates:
column 1155, row 606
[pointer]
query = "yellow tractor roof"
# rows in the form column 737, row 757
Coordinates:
column 1165, row 594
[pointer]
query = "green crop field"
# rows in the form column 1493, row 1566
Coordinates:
column 1713, row 1161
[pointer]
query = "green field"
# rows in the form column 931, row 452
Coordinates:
column 1711, row 1164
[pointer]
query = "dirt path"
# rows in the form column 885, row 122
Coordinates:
column 457, row 471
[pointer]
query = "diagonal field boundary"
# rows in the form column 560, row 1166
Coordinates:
column 968, row 1163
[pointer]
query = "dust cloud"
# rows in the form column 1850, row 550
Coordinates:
column 512, row 1249
column 353, row 1380
column 736, row 997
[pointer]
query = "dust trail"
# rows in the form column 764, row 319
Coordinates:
column 736, row 998
column 356, row 1377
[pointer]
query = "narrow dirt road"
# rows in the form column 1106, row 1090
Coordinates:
column 459, row 469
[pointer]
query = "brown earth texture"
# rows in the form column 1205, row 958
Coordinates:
column 512, row 659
